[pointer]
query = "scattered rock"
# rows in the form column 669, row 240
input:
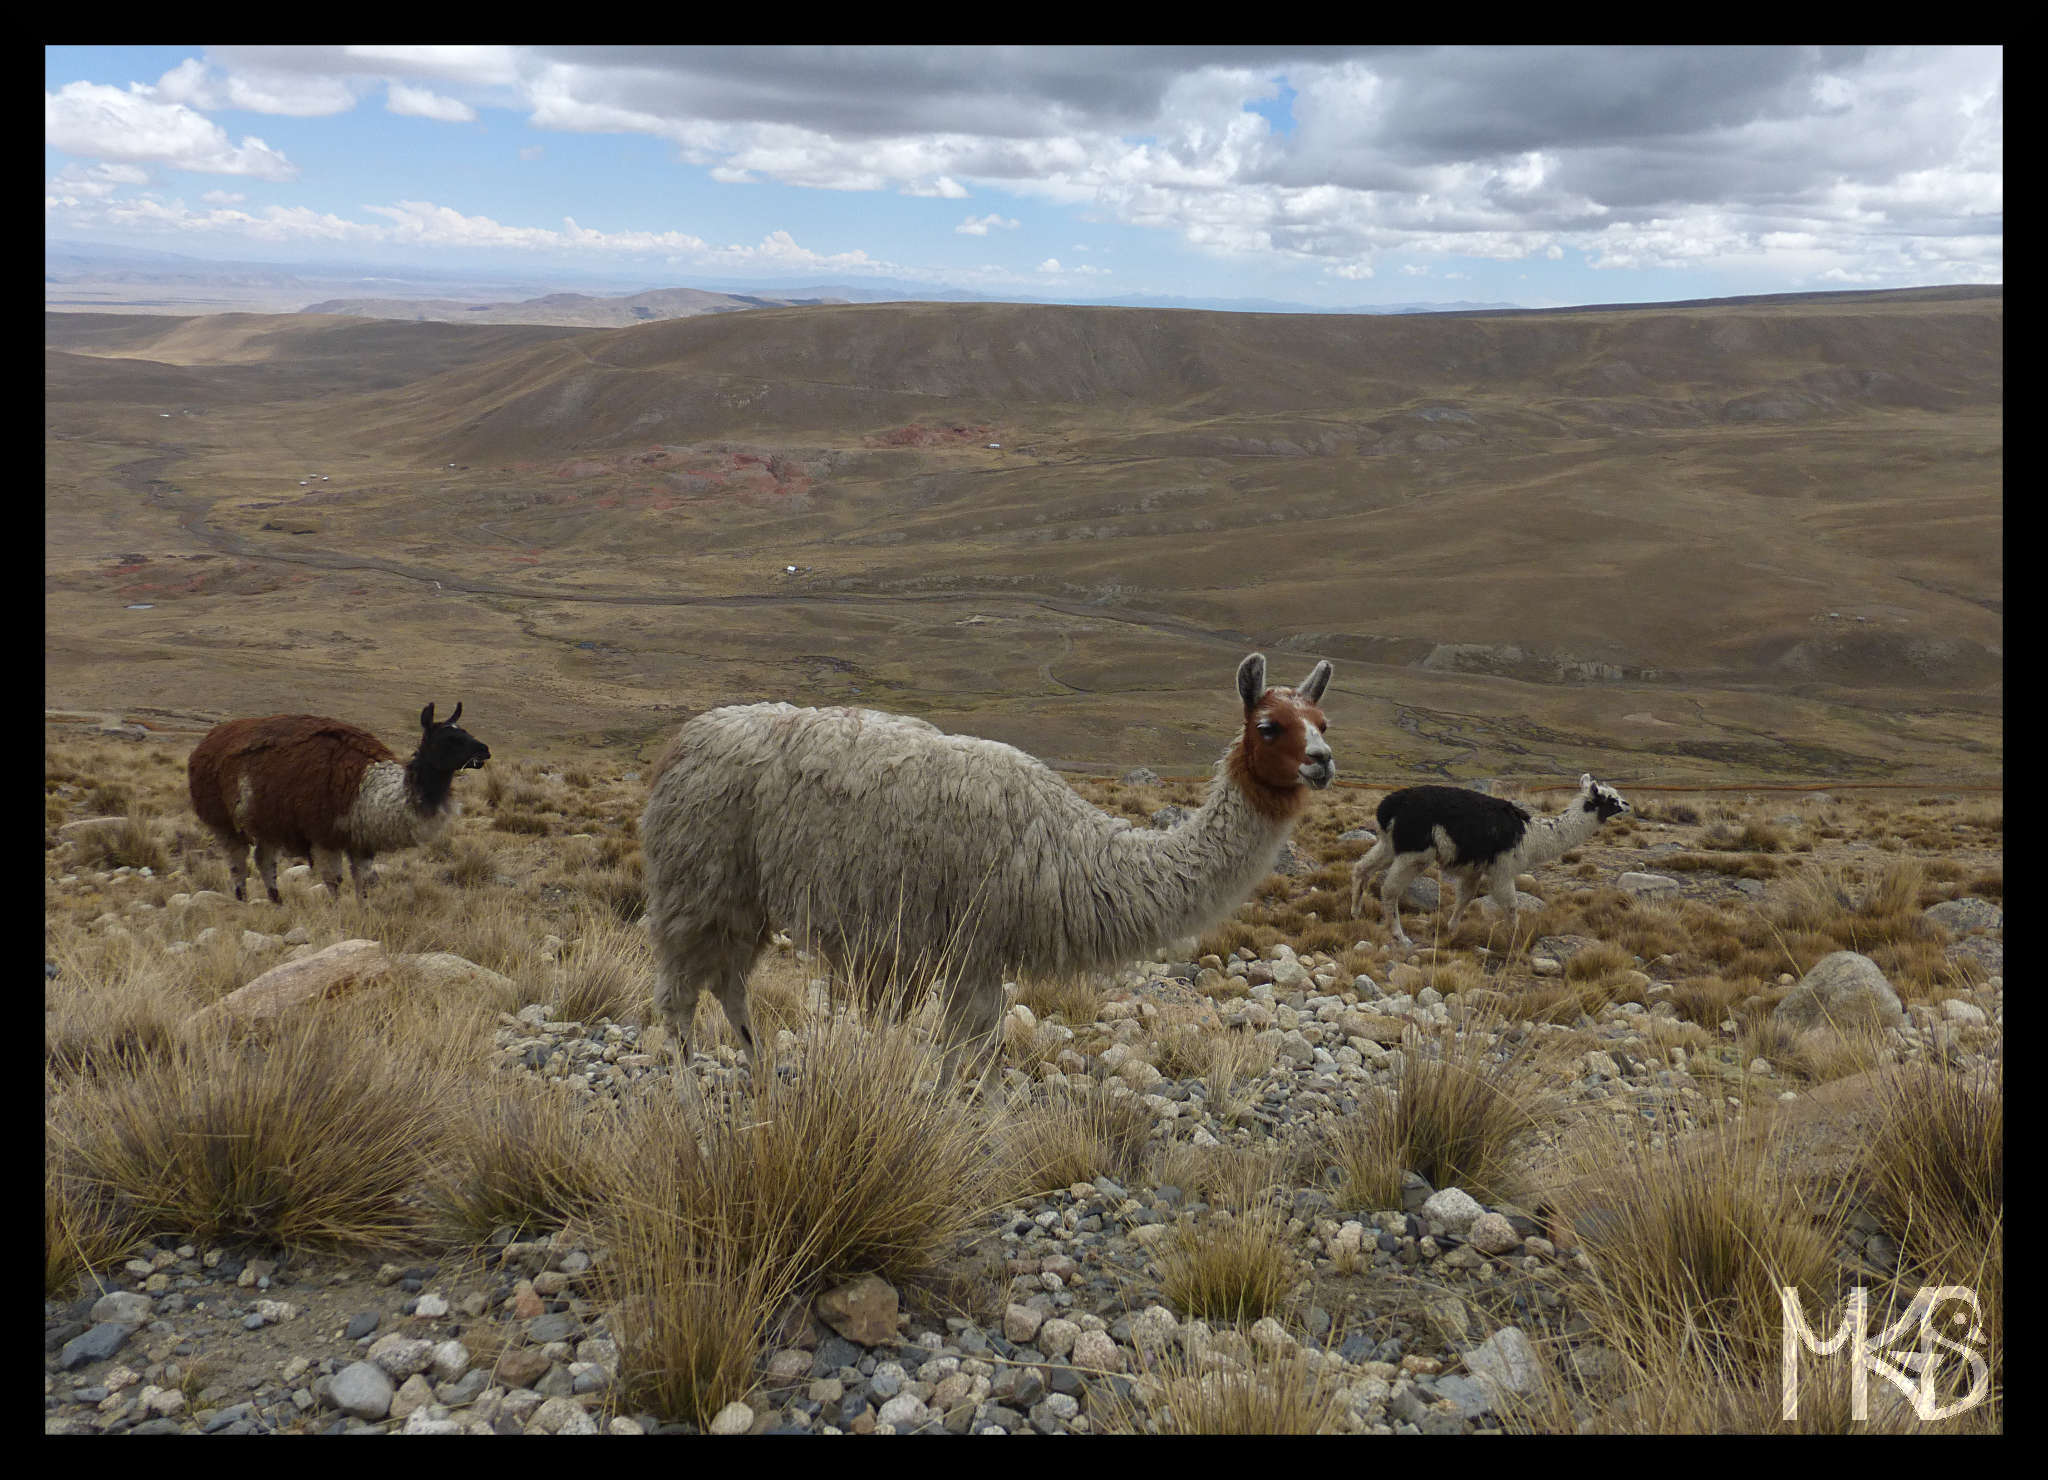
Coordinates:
column 1844, row 990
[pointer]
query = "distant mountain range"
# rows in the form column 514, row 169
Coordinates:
column 368, row 290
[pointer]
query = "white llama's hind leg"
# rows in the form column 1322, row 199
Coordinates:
column 1503, row 897
column 676, row 985
column 972, row 1019
column 1362, row 871
column 1400, row 874
column 733, row 964
column 1460, row 882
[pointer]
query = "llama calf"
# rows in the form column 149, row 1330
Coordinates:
column 906, row 855
column 1479, row 842
column 324, row 790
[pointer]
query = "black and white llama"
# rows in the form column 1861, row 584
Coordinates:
column 1479, row 843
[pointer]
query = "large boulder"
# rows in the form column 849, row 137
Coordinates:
column 1844, row 990
column 1967, row 916
column 341, row 968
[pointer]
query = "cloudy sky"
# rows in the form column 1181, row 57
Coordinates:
column 1328, row 176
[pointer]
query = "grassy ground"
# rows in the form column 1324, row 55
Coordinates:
column 382, row 1125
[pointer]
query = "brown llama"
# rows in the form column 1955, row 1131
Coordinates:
column 325, row 790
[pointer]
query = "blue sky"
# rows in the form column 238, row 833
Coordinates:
column 1326, row 176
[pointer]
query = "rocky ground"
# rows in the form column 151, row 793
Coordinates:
column 1422, row 1317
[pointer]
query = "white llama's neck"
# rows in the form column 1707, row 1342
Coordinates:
column 1551, row 837
column 1182, row 880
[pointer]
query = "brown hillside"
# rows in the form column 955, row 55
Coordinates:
column 1741, row 539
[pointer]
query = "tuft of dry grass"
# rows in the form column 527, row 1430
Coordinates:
column 1276, row 1390
column 522, row 1152
column 1688, row 1250
column 1456, row 1119
column 1081, row 1134
column 299, row 1136
column 1074, row 998
column 111, row 1006
column 857, row 1152
column 606, row 972
column 133, row 840
column 1225, row 1266
column 691, row 1306
column 83, row 1230
column 1934, row 1173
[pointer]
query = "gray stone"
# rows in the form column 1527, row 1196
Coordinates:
column 903, row 1412
column 464, row 1390
column 733, row 1418
column 1641, row 883
column 123, row 1306
column 96, row 1345
column 833, row 1353
column 1471, row 1398
column 1844, row 989
column 565, row 1416
column 1453, row 1207
column 362, row 1390
column 1967, row 916
column 1505, row 1360
column 557, row 1327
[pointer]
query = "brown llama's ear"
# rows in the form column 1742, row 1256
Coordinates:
column 427, row 718
column 1251, row 679
column 1311, row 688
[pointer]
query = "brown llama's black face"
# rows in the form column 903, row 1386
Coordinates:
column 446, row 746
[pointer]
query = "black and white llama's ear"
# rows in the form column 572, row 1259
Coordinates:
column 1311, row 688
column 1585, row 781
column 1251, row 679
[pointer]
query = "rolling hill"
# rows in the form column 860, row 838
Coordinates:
column 1742, row 539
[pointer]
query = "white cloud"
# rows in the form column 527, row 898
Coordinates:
column 84, row 118
column 1050, row 264
column 95, row 181
column 223, row 197
column 1852, row 161
column 533, row 151
column 982, row 225
column 293, row 94
column 417, row 102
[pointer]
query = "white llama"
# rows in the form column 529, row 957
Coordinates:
column 905, row 853
column 1479, row 842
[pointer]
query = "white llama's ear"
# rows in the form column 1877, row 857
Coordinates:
column 1585, row 781
column 1311, row 688
column 1251, row 679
